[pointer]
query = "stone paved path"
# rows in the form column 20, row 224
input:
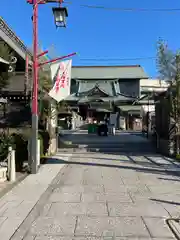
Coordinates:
column 98, row 196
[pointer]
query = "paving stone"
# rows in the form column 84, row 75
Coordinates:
column 20, row 211
column 9, row 226
column 95, row 226
column 80, row 188
column 2, row 219
column 52, row 238
column 65, row 197
column 110, row 197
column 109, row 182
column 118, row 197
column 137, row 209
column 141, row 196
column 93, row 197
column 115, row 188
column 28, row 238
column 111, row 238
column 88, row 180
column 63, row 226
column 138, row 189
column 9, row 205
column 76, row 209
column 166, row 189
column 158, row 228
column 172, row 209
column 45, row 209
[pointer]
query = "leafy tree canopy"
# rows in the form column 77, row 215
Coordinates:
column 166, row 62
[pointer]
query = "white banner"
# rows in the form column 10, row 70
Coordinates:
column 61, row 75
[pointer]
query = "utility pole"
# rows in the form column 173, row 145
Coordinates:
column 60, row 14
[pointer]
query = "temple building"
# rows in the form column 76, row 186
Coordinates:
column 98, row 91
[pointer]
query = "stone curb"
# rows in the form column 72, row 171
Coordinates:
column 16, row 205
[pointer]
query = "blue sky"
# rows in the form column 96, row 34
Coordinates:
column 96, row 33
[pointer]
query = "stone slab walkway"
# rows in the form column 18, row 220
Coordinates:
column 102, row 196
column 94, row 196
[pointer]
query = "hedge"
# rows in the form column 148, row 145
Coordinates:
column 19, row 142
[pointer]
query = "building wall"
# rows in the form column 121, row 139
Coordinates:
column 130, row 87
column 16, row 83
column 150, row 85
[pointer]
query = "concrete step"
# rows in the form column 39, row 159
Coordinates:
column 124, row 150
column 128, row 145
column 110, row 150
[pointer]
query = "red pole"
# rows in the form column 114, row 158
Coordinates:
column 42, row 54
column 57, row 59
column 34, row 138
column 35, row 60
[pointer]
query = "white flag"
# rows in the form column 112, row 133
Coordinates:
column 61, row 75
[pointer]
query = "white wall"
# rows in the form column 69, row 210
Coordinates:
column 153, row 85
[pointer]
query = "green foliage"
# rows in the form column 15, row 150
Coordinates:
column 166, row 61
column 5, row 142
column 45, row 141
column 45, row 85
column 45, row 82
column 6, row 53
column 20, row 142
column 62, row 106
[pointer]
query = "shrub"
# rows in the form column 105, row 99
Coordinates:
column 20, row 142
column 5, row 143
column 45, row 141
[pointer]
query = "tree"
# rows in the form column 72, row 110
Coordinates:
column 45, row 84
column 6, row 53
column 168, row 64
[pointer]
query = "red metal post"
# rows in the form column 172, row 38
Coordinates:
column 42, row 54
column 35, row 60
column 34, row 139
column 57, row 59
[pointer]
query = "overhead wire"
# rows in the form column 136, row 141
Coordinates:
column 101, row 7
column 117, row 59
column 126, row 9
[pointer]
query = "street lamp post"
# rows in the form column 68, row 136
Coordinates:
column 59, row 14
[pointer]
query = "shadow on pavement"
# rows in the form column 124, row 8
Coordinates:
column 137, row 168
column 169, row 179
column 165, row 201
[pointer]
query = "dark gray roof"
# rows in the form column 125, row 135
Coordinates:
column 87, row 99
column 131, row 109
column 108, row 72
column 121, row 98
column 72, row 97
column 106, row 87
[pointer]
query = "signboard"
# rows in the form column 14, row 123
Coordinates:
column 61, row 75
